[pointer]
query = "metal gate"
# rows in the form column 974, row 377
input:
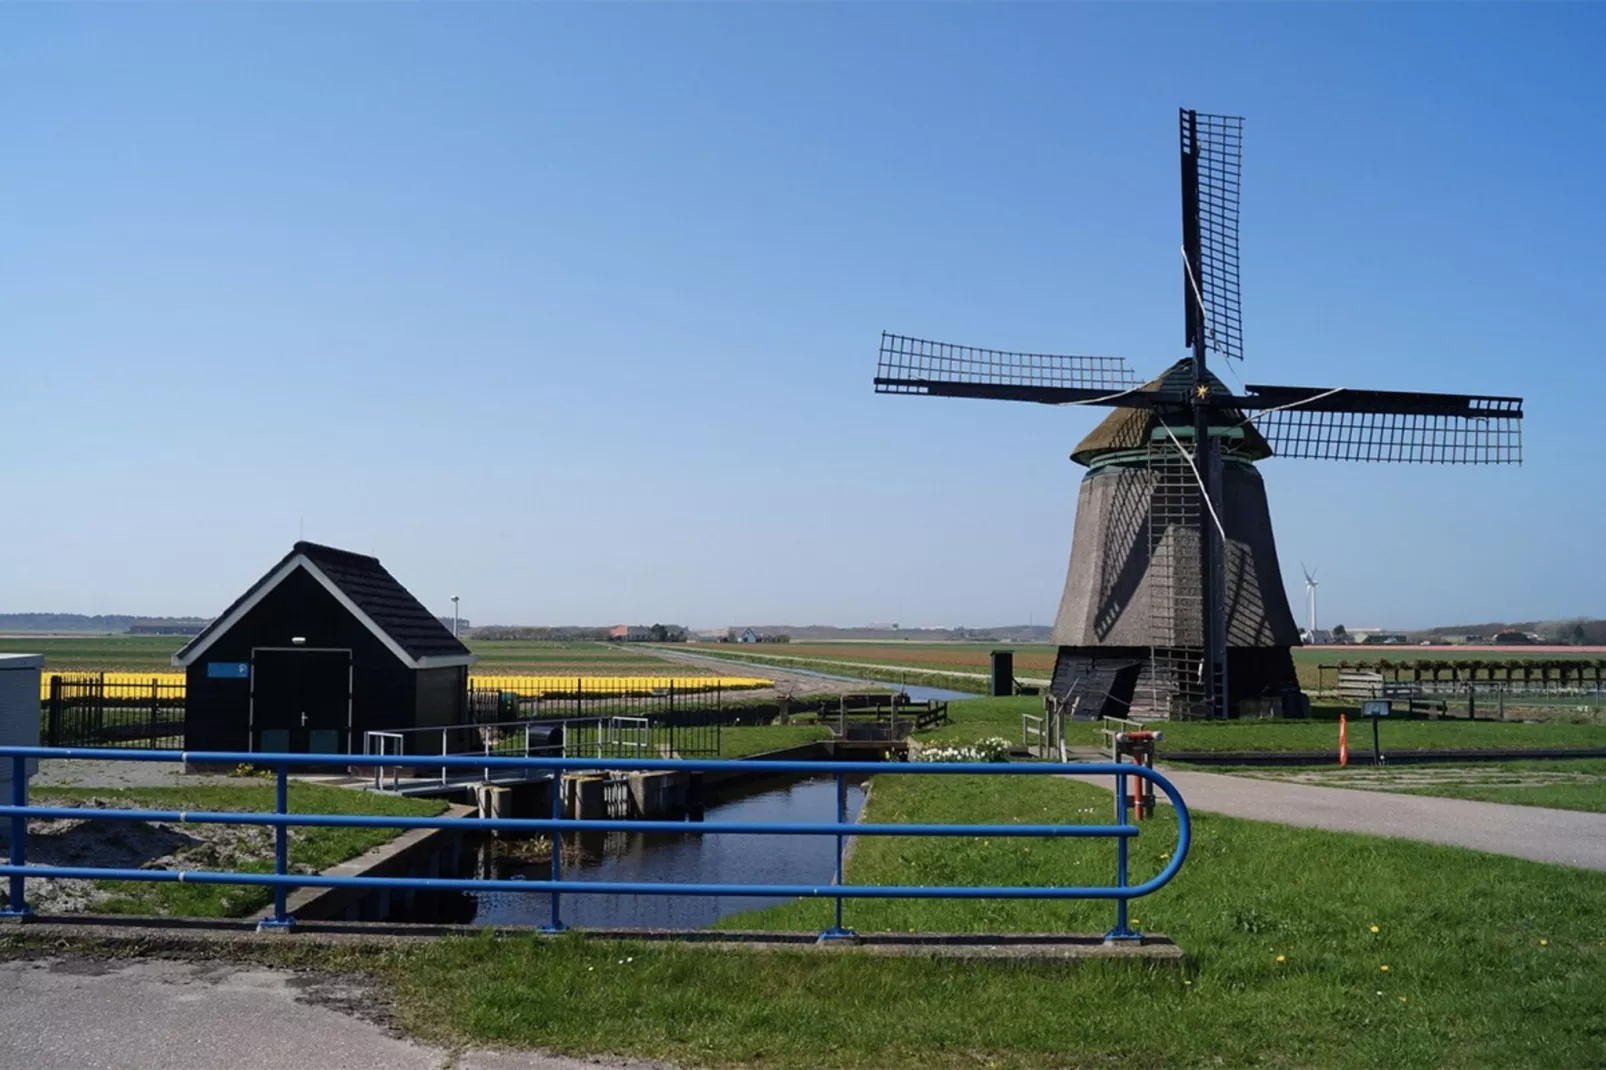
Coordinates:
column 84, row 710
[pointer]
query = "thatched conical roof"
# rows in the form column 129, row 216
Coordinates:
column 1129, row 429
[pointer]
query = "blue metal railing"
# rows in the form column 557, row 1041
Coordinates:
column 281, row 880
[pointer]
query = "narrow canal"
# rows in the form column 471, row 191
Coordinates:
column 676, row 858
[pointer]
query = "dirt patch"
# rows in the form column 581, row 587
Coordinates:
column 127, row 845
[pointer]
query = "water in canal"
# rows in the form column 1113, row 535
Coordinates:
column 679, row 858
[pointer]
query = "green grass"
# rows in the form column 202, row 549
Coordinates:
column 1469, row 983
column 912, row 677
column 1321, row 734
column 739, row 742
column 1587, row 795
column 137, row 653
column 536, row 658
column 105, row 653
column 311, row 849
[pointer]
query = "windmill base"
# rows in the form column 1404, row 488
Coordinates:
column 1143, row 684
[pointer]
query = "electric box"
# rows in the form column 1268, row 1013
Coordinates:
column 19, row 711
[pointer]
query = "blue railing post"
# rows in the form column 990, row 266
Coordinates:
column 1122, row 930
column 840, row 931
column 17, row 904
column 555, row 923
column 281, row 920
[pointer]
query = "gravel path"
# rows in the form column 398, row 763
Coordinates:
column 95, row 773
column 787, row 683
column 76, row 1014
column 1566, row 837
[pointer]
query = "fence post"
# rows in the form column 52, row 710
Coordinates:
column 53, row 725
column 281, row 920
column 839, row 931
column 17, row 904
column 555, row 923
column 579, row 686
column 1122, row 930
column 156, row 714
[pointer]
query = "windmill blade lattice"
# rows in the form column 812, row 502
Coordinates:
column 920, row 366
column 1391, row 426
column 1212, row 171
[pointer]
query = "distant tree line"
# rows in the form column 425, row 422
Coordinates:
column 79, row 622
column 532, row 632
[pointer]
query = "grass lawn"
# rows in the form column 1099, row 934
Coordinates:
column 1582, row 796
column 1490, row 961
column 739, row 742
column 975, row 718
column 311, row 849
column 535, row 658
column 136, row 653
column 1320, row 733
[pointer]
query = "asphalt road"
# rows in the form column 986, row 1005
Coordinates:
column 86, row 1014
column 1567, row 837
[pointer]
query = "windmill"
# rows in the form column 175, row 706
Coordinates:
column 1310, row 603
column 1173, row 574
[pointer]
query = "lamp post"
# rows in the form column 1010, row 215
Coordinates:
column 454, row 616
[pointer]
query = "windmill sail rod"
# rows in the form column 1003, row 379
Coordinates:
column 1045, row 395
column 1326, row 399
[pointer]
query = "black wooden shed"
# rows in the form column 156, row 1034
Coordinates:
column 326, row 646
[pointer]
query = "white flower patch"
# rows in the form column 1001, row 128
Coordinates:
column 991, row 749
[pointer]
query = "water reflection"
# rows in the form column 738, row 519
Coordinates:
column 678, row 858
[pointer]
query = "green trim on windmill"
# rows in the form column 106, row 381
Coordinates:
column 1132, row 429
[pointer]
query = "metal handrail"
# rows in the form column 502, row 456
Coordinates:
column 281, row 820
column 1122, row 724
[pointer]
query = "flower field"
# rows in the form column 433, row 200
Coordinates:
column 137, row 685
column 530, row 686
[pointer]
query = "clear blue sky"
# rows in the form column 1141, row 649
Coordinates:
column 573, row 310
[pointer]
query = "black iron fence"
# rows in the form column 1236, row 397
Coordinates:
column 85, row 710
column 659, row 701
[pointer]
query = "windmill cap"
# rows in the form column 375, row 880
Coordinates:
column 1127, row 429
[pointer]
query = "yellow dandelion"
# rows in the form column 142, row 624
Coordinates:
column 1402, row 999
column 1186, row 981
column 1544, row 943
column 1282, row 958
column 1375, row 929
column 1384, row 968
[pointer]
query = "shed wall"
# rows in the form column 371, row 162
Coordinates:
column 384, row 691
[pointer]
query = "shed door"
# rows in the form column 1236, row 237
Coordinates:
column 301, row 700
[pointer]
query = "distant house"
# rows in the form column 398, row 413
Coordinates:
column 1512, row 637
column 1379, row 637
column 166, row 627
column 629, row 633
column 747, row 635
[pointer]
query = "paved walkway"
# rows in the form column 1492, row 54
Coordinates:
column 1568, row 837
column 84, row 1014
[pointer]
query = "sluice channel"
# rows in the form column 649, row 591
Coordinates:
column 687, row 857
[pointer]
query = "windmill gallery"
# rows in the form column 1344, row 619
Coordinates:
column 1173, row 603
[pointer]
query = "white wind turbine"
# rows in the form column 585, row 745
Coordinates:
column 1310, row 601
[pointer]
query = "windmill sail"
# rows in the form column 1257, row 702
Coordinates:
column 1212, row 168
column 1386, row 425
column 919, row 366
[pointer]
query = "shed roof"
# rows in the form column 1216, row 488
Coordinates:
column 1130, row 429
column 369, row 592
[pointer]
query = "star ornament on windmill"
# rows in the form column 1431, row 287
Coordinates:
column 1174, row 603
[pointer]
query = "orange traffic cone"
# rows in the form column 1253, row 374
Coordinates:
column 1343, row 741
